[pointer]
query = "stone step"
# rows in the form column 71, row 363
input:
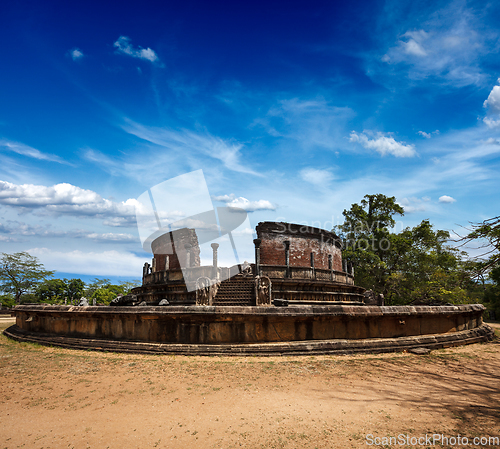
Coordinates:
column 235, row 293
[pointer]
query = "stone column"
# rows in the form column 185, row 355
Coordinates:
column 187, row 247
column 257, row 243
column 287, row 257
column 167, row 263
column 214, row 248
column 313, row 271
column 330, row 266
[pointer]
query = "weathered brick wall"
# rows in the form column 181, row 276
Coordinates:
column 304, row 240
column 173, row 245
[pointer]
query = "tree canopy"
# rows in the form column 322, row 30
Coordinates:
column 21, row 273
column 415, row 265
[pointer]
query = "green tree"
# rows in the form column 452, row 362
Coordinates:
column 74, row 289
column 94, row 285
column 415, row 265
column 367, row 238
column 486, row 266
column 51, row 291
column 104, row 295
column 423, row 268
column 20, row 273
column 104, row 292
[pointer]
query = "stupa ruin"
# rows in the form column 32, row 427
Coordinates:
column 298, row 297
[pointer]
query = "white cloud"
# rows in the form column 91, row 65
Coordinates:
column 224, row 198
column 76, row 54
column 123, row 46
column 102, row 263
column 25, row 150
column 65, row 199
column 413, row 46
column 446, row 199
column 383, row 144
column 319, row 177
column 121, row 222
column 251, row 206
column 243, row 203
column 492, row 120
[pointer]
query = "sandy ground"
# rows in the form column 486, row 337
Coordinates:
column 58, row 398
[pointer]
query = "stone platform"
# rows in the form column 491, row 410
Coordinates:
column 238, row 330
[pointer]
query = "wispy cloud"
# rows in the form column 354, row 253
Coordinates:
column 25, row 150
column 311, row 123
column 448, row 45
column 428, row 135
column 318, row 177
column 124, row 46
column 383, row 144
column 104, row 263
column 414, row 204
column 184, row 142
column 17, row 228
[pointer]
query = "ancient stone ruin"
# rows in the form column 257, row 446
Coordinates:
column 184, row 307
column 294, row 264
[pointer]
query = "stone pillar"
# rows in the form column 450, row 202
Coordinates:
column 313, row 271
column 167, row 263
column 214, row 248
column 187, row 247
column 257, row 243
column 330, row 266
column 287, row 257
column 153, row 265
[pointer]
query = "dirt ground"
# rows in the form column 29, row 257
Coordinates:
column 59, row 398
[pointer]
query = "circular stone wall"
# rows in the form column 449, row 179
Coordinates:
column 211, row 330
column 303, row 241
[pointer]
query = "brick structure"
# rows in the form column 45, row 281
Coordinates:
column 303, row 241
column 293, row 263
column 173, row 248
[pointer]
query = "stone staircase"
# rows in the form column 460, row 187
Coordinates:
column 237, row 291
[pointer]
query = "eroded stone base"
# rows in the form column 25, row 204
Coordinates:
column 296, row 329
column 316, row 347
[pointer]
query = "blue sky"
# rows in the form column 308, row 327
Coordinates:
column 294, row 111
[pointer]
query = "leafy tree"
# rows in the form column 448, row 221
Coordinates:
column 51, row 291
column 104, row 292
column 492, row 291
column 94, row 285
column 20, row 273
column 486, row 267
column 7, row 300
column 104, row 296
column 367, row 239
column 74, row 289
column 487, row 232
column 415, row 265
